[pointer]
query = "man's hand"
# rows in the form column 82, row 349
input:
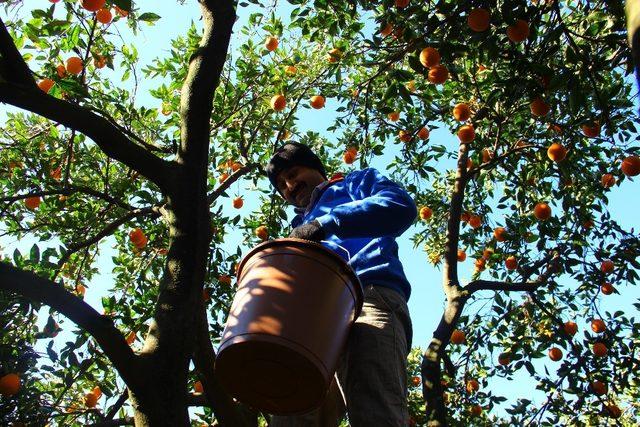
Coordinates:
column 312, row 231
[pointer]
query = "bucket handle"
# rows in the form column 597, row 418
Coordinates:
column 341, row 247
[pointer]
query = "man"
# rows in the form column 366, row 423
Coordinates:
column 361, row 213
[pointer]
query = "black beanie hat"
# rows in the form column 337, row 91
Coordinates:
column 293, row 154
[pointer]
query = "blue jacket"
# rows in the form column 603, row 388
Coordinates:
column 363, row 214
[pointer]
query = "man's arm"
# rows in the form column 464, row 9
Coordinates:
column 380, row 207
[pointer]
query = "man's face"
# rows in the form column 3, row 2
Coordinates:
column 297, row 183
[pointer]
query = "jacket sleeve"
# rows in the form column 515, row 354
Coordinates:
column 380, row 207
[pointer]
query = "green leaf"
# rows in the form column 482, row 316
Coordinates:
column 149, row 17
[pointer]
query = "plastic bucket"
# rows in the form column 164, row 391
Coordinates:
column 289, row 321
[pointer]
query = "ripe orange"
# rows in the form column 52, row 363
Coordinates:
column 425, row 213
column 138, row 238
column 598, row 326
column 480, row 264
column 539, row 107
column 464, row 216
column 223, row 177
column 461, row 255
column 598, row 387
column 394, row 116
column 9, row 384
column 556, row 152
column 262, row 233
column 607, row 288
column 100, row 61
column 74, row 65
column 334, row 55
column 122, row 12
column 291, row 70
column 278, row 102
column 104, row 16
column 386, row 29
column 500, row 233
column 61, row 70
column 429, row 57
column 93, row 5
column 504, row 359
column 197, row 387
column 32, row 203
column 131, row 338
column 476, row 410
column 235, row 166
column 80, row 289
column 411, row 86
column 461, row 112
column 404, row 136
column 56, row 173
column 472, row 386
column 317, row 101
column 607, row 180
column 45, row 85
column 588, row 224
column 348, row 157
column 519, row 31
column 90, row 400
column 613, row 410
column 607, row 266
column 423, row 133
column 591, row 130
column 402, row 3
column 631, row 166
column 97, row 391
column 487, row 252
column 478, row 20
column 466, row 134
column 511, row 263
column 555, row 354
column 238, row 202
column 271, row 43
column 438, row 74
column 542, row 211
column 570, row 328
column 487, row 155
column 457, row 337
column 475, row 221
column 416, row 381
column 599, row 349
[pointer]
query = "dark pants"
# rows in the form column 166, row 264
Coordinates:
column 372, row 371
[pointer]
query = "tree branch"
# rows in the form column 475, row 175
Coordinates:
column 101, row 328
column 68, row 190
column 232, row 178
column 12, row 65
column 480, row 285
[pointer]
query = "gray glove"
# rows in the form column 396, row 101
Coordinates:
column 312, row 231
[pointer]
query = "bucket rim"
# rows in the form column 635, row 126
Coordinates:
column 309, row 245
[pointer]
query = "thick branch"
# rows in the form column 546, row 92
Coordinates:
column 27, row 284
column 111, row 140
column 12, row 65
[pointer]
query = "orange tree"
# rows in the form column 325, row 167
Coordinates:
column 536, row 97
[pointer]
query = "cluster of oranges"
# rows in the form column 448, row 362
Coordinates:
column 430, row 59
column 479, row 20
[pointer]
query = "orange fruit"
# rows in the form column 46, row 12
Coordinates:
column 348, row 157
column 32, row 203
column 598, row 326
column 461, row 112
column 9, row 384
column 478, row 20
column 74, row 65
column 519, row 31
column 411, row 86
column 334, row 55
column 138, row 238
column 197, row 387
column 317, row 101
column 631, row 165
column 224, row 279
column 45, row 85
column 104, row 16
column 476, row 410
column 472, row 386
column 394, row 116
column 511, row 263
column 236, row 166
column 262, row 233
column 291, row 70
column 238, row 202
column 607, row 288
column 607, row 266
column 404, row 136
column 223, row 177
column 570, row 327
column 480, row 264
column 588, row 224
column 93, row 5
column 80, row 289
column 90, row 400
column 466, row 134
column 555, row 354
column 598, row 387
column 599, row 349
column 416, row 381
column 96, row 391
column 100, row 61
column 461, row 255
column 465, row 216
column 504, row 359
column 500, row 233
column 556, row 152
column 278, row 102
column 61, row 70
column 425, row 213
column 56, row 173
column 438, row 74
column 475, row 221
column 457, row 337
column 539, row 107
column 131, row 338
column 423, row 133
column 121, row 12
column 271, row 43
column 402, row 3
column 487, row 155
column 613, row 410
column 607, row 180
column 591, row 130
column 487, row 252
column 386, row 29
column 542, row 211
column 429, row 57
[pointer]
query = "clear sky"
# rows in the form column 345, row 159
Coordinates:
column 427, row 300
